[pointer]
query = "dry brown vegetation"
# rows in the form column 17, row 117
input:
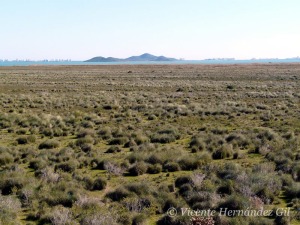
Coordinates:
column 123, row 144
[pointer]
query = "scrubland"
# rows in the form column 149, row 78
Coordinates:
column 94, row 145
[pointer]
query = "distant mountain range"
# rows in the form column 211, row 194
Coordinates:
column 142, row 58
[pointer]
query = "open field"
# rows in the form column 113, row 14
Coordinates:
column 123, row 144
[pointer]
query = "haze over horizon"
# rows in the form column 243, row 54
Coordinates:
column 191, row 29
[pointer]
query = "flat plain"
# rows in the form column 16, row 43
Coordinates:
column 124, row 144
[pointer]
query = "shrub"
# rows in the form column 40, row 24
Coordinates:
column 31, row 138
column 282, row 220
column 169, row 203
column 197, row 144
column 48, row 132
column 105, row 133
column 5, row 158
column 118, row 141
column 226, row 188
column 171, row 167
column 113, row 149
column 60, row 215
column 154, row 169
column 86, row 148
column 154, row 159
column 266, row 195
column 224, row 152
column 37, row 164
column 85, row 140
column 98, row 163
column 140, row 139
column 85, row 132
column 68, row 167
column 119, row 194
column 21, row 131
column 235, row 202
column 99, row 218
column 229, row 171
column 138, row 188
column 22, row 140
column 182, row 180
column 165, row 136
column 189, row 163
column 49, row 144
column 61, row 195
column 99, row 184
column 8, row 185
column 138, row 169
column 139, row 220
column 293, row 191
column 9, row 208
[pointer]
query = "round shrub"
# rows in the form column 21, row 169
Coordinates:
column 68, row 167
column 165, row 136
column 138, row 169
column 154, row 159
column 139, row 220
column 189, row 164
column 224, row 152
column 5, row 158
column 139, row 188
column 197, row 144
column 235, row 202
column 37, row 164
column 182, row 180
column 169, row 203
column 113, row 149
column 171, row 167
column 266, row 195
column 99, row 184
column 22, row 140
column 119, row 194
column 118, row 141
column 154, row 169
column 49, row 144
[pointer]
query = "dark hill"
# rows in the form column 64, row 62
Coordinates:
column 142, row 58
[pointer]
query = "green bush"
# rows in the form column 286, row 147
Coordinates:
column 9, row 184
column 99, row 184
column 118, row 141
column 139, row 220
column 119, row 194
column 9, row 209
column 22, row 140
column 165, row 136
column 138, row 188
column 182, row 180
column 68, row 167
column 49, row 144
column 37, row 164
column 235, row 202
column 113, row 149
column 138, row 169
column 171, row 166
column 154, row 159
column 224, row 152
column 154, row 169
column 6, row 158
column 293, row 191
column 197, row 144
column 189, row 163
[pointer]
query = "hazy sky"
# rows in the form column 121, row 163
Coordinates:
column 190, row 29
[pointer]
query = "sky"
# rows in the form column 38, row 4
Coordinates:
column 189, row 29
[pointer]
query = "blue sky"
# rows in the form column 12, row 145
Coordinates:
column 190, row 29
